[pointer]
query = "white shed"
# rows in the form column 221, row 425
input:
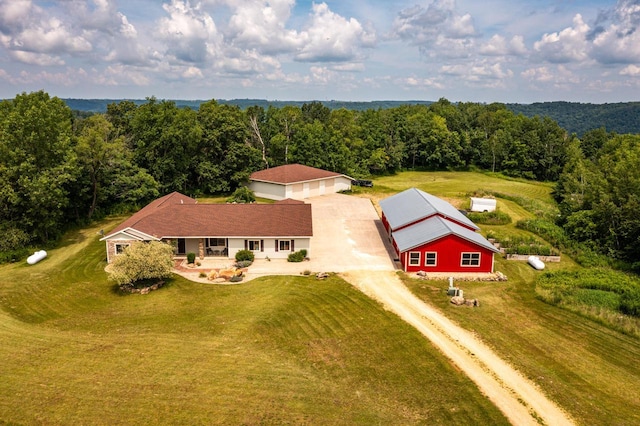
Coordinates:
column 483, row 204
column 297, row 181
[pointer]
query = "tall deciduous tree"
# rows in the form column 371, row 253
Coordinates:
column 37, row 163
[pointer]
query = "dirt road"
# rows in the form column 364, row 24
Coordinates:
column 518, row 398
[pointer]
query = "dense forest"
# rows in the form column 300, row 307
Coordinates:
column 579, row 118
column 574, row 117
column 60, row 169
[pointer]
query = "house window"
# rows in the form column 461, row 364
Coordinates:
column 254, row 245
column 217, row 242
column 414, row 258
column 285, row 245
column 120, row 248
column 430, row 259
column 470, row 259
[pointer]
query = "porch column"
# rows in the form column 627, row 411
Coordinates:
column 201, row 248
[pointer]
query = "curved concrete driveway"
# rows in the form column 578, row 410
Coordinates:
column 347, row 235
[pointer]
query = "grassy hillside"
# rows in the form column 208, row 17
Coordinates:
column 291, row 349
column 284, row 350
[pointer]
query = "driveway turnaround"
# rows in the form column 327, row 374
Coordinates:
column 347, row 235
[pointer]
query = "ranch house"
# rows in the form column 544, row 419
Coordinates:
column 217, row 230
column 429, row 234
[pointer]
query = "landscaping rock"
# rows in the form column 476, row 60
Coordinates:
column 457, row 300
column 322, row 275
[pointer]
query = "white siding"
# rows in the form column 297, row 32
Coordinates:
column 272, row 191
column 237, row 244
column 341, row 184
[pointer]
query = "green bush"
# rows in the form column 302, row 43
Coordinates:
column 242, row 195
column 297, row 256
column 235, row 279
column 243, row 263
column 490, row 218
column 191, row 257
column 245, row 255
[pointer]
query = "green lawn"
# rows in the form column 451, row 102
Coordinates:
column 284, row 350
column 290, row 350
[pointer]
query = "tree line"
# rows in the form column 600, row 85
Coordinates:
column 59, row 168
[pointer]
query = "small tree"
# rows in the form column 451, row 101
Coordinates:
column 242, row 195
column 142, row 261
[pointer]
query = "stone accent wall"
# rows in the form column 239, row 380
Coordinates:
column 201, row 248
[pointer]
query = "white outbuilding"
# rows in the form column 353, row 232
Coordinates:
column 297, row 181
column 483, row 204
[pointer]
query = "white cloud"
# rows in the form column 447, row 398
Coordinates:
column 39, row 59
column 568, row 45
column 422, row 26
column 631, row 70
column 483, row 73
column 619, row 43
column 559, row 76
column 331, row 37
column 260, row 24
column 499, row 46
column 189, row 32
column 14, row 14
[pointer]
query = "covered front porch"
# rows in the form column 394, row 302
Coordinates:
column 213, row 247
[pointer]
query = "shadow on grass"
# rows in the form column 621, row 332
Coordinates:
column 139, row 287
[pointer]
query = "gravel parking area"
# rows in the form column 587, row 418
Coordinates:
column 347, row 235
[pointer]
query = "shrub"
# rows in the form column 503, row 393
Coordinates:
column 245, row 255
column 202, row 275
column 242, row 195
column 297, row 256
column 243, row 264
column 235, row 279
column 142, row 261
column 191, row 257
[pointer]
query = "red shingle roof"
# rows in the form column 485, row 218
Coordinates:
column 176, row 215
column 292, row 173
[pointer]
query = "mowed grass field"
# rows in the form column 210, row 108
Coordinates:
column 590, row 370
column 282, row 350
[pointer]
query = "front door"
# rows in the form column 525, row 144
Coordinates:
column 182, row 246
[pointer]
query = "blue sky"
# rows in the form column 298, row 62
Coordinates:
column 360, row 50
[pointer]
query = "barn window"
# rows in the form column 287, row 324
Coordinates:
column 414, row 258
column 285, row 245
column 470, row 259
column 430, row 258
column 254, row 245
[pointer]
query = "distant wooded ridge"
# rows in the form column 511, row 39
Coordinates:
column 578, row 118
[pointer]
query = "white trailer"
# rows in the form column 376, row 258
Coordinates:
column 483, row 204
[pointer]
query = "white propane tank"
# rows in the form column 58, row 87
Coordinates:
column 536, row 263
column 36, row 257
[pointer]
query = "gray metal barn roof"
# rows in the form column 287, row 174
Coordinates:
column 413, row 204
column 433, row 229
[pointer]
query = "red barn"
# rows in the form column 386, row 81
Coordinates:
column 429, row 234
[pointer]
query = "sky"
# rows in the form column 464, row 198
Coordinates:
column 359, row 50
